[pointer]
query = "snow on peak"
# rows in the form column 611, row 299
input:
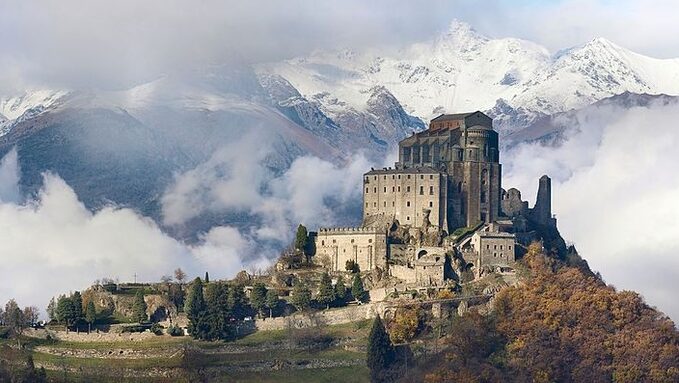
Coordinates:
column 13, row 107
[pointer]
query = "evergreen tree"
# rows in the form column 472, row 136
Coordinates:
column 340, row 291
column 326, row 294
column 302, row 241
column 194, row 307
column 52, row 309
column 301, row 296
column 66, row 311
column 90, row 315
column 217, row 313
column 258, row 297
column 139, row 308
column 357, row 289
column 237, row 302
column 272, row 301
column 207, row 278
column 381, row 353
column 77, row 306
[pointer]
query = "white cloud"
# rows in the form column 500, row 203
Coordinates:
column 312, row 191
column 615, row 191
column 77, row 43
column 53, row 244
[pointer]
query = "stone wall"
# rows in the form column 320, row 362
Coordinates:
column 327, row 317
column 404, row 193
column 366, row 246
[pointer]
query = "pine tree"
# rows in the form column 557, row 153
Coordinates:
column 207, row 278
column 302, row 242
column 90, row 315
column 217, row 312
column 139, row 308
column 340, row 291
column 65, row 310
column 258, row 297
column 301, row 296
column 237, row 302
column 381, row 353
column 357, row 289
column 326, row 294
column 272, row 301
column 194, row 308
column 77, row 306
column 52, row 309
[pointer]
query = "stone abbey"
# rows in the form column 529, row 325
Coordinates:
column 441, row 210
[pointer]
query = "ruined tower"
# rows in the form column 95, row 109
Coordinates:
column 542, row 211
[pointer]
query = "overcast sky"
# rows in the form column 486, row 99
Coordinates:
column 82, row 43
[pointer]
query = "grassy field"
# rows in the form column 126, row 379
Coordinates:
column 264, row 356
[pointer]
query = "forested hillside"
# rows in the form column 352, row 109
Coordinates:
column 562, row 324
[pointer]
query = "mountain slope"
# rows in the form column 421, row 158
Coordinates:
column 516, row 80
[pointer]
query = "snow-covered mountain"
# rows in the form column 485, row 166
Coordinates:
column 127, row 146
column 460, row 70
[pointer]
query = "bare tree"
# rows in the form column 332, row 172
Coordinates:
column 180, row 275
column 31, row 315
column 166, row 279
column 14, row 320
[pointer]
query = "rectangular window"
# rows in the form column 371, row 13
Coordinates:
column 366, row 190
column 408, row 203
column 431, row 176
column 374, row 204
column 431, row 190
column 375, row 190
column 385, row 203
column 421, row 190
column 421, row 176
column 408, row 218
column 431, row 204
column 407, row 189
column 392, row 204
column 399, row 189
column 385, row 189
column 393, row 189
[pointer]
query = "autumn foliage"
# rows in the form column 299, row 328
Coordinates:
column 561, row 325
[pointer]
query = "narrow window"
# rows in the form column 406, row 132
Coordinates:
column 385, row 189
column 322, row 243
column 421, row 190
column 408, row 176
column 366, row 190
column 385, row 203
column 431, row 176
column 407, row 189
column 375, row 190
column 392, row 204
column 431, row 190
column 431, row 204
column 408, row 218
column 393, row 189
column 408, row 203
column 421, row 176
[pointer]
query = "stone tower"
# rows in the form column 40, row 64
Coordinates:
column 542, row 211
column 451, row 169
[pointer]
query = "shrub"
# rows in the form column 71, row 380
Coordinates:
column 174, row 331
